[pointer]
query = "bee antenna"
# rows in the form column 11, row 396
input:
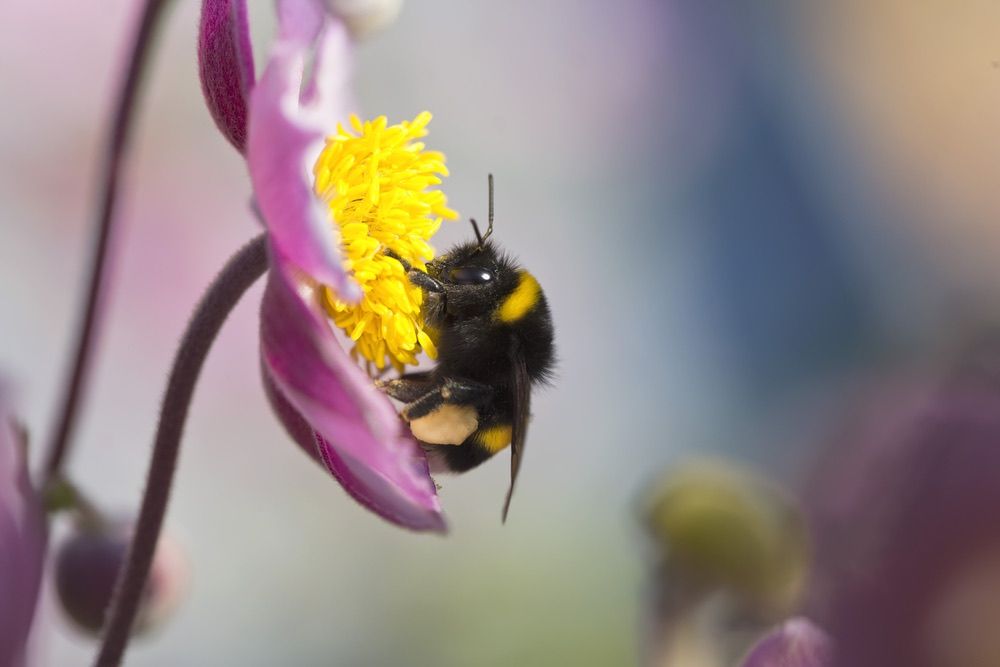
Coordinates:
column 481, row 238
column 489, row 229
column 475, row 228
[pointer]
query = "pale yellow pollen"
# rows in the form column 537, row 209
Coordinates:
column 375, row 178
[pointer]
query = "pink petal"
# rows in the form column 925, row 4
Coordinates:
column 286, row 135
column 300, row 431
column 379, row 492
column 22, row 545
column 359, row 435
column 225, row 64
column 300, row 20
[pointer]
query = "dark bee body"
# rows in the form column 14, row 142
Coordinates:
column 495, row 341
column 475, row 343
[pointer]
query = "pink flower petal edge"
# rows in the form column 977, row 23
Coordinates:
column 794, row 643
column 225, row 66
column 358, row 435
column 286, row 135
column 380, row 493
column 22, row 545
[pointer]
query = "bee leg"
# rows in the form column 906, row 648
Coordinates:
column 418, row 278
column 448, row 414
column 466, row 392
column 418, row 376
column 407, row 388
column 389, row 253
column 422, row 406
column 452, row 391
column 424, row 281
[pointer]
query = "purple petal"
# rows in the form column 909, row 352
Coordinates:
column 286, row 136
column 22, row 545
column 225, row 64
column 359, row 435
column 901, row 509
column 795, row 643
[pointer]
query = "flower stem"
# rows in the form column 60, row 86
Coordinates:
column 222, row 295
column 120, row 132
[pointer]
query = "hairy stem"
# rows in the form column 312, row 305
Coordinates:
column 238, row 275
column 104, row 218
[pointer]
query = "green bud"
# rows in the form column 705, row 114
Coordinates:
column 720, row 527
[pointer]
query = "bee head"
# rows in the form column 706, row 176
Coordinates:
column 476, row 276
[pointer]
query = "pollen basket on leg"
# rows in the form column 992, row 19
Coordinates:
column 375, row 179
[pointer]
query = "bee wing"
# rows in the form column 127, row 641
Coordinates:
column 521, row 383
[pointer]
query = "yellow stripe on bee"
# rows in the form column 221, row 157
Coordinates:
column 522, row 300
column 494, row 438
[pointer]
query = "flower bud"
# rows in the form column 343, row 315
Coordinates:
column 795, row 643
column 87, row 566
column 721, row 528
column 365, row 17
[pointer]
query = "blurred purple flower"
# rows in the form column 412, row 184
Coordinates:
column 22, row 543
column 327, row 403
column 904, row 512
column 795, row 643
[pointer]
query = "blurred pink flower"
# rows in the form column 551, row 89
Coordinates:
column 327, row 403
column 794, row 643
column 22, row 543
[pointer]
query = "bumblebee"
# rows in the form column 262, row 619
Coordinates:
column 495, row 342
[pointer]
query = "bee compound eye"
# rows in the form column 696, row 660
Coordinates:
column 470, row 275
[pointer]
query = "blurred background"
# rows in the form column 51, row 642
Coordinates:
column 738, row 215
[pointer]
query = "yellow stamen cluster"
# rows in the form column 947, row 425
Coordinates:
column 376, row 183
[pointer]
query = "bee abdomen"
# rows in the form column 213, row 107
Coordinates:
column 476, row 449
column 492, row 438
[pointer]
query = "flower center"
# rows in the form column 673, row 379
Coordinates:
column 376, row 182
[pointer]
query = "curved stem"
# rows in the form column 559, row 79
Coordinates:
column 121, row 126
column 238, row 275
